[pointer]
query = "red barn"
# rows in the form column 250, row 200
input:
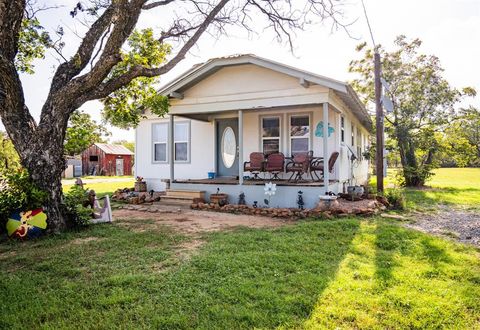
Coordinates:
column 107, row 159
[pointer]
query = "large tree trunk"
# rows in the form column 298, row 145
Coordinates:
column 45, row 163
column 40, row 147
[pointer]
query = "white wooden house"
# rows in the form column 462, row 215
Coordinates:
column 226, row 108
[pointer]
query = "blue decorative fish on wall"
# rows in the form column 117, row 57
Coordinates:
column 319, row 130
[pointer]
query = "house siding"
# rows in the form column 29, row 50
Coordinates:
column 258, row 92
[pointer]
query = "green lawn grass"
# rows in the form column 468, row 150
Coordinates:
column 458, row 187
column 348, row 273
column 103, row 188
column 315, row 274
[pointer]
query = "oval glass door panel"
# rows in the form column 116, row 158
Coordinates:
column 229, row 147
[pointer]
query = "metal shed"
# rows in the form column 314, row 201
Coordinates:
column 107, row 159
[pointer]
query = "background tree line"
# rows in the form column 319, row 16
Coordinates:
column 425, row 129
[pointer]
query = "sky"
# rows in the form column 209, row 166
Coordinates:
column 449, row 29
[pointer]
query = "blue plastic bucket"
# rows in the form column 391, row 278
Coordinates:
column 211, row 175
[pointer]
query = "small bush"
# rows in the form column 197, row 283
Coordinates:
column 74, row 201
column 414, row 177
column 396, row 198
column 17, row 191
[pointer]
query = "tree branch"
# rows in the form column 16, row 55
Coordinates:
column 106, row 88
column 156, row 4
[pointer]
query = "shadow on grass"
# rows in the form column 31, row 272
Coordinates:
column 255, row 278
column 110, row 275
column 394, row 242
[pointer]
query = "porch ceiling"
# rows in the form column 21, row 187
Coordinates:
column 206, row 117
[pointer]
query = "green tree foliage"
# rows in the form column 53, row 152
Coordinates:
column 9, row 160
column 423, row 102
column 82, row 132
column 455, row 150
column 126, row 106
column 33, row 41
column 469, row 129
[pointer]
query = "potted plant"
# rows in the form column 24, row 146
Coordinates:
column 140, row 185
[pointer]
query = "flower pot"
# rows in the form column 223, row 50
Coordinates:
column 140, row 186
column 219, row 199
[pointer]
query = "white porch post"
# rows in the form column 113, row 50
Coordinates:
column 171, row 150
column 240, row 147
column 326, row 174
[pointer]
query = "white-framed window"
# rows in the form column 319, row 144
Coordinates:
column 359, row 144
column 271, row 134
column 342, row 129
column 159, row 142
column 353, row 135
column 182, row 142
column 299, row 128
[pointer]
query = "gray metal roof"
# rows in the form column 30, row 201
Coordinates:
column 201, row 71
column 114, row 149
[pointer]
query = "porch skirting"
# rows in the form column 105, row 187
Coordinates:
column 285, row 196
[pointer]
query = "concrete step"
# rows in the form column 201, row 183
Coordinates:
column 188, row 194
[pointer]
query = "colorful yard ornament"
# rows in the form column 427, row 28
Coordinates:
column 319, row 130
column 27, row 224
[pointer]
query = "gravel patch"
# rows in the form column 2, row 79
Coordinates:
column 461, row 225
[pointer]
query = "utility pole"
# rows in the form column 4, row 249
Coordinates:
column 379, row 122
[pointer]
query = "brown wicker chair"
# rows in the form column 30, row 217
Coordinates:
column 317, row 165
column 298, row 165
column 275, row 164
column 255, row 165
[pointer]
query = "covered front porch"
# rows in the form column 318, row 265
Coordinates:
column 238, row 134
column 281, row 130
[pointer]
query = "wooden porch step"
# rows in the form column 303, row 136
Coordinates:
column 184, row 194
column 176, row 200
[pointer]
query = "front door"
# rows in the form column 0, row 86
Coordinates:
column 119, row 167
column 227, row 147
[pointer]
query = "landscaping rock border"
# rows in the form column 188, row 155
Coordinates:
column 341, row 208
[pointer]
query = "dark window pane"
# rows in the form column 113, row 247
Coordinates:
column 181, row 151
column 299, row 145
column 271, row 127
column 299, row 126
column 271, row 146
column 94, row 158
column 160, row 152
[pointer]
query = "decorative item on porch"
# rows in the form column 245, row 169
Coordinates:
column 27, row 224
column 220, row 199
column 319, row 129
column 241, row 199
column 300, row 201
column 270, row 189
column 140, row 185
column 211, row 175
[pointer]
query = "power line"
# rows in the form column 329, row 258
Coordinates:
column 369, row 27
